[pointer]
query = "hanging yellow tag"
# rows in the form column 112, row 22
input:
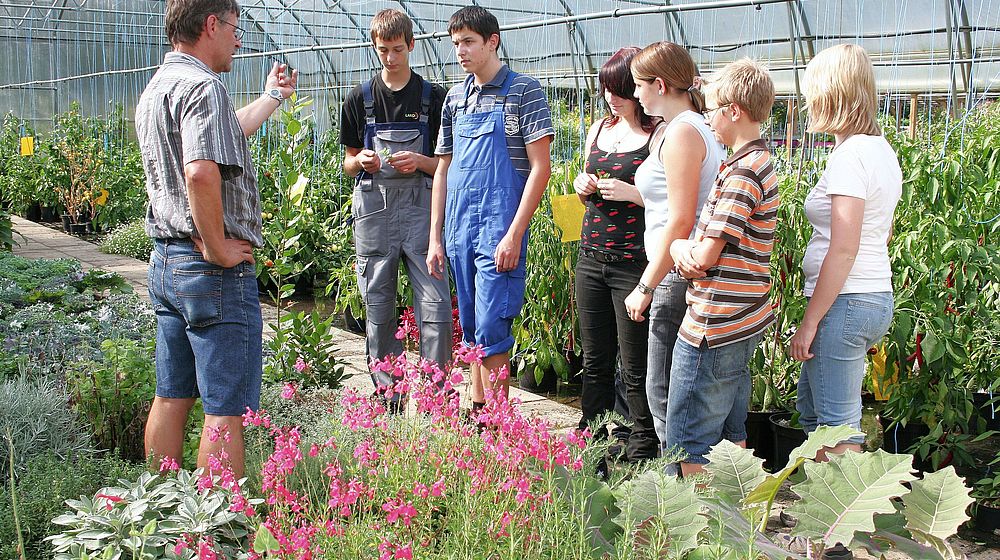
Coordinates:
column 28, row 146
column 567, row 211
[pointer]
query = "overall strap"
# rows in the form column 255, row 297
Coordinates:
column 369, row 98
column 425, row 114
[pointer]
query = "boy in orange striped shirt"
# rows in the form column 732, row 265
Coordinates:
column 727, row 265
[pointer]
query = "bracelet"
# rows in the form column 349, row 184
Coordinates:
column 643, row 289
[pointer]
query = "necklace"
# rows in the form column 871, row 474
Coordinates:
column 617, row 142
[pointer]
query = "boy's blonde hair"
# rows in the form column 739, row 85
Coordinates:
column 673, row 64
column 839, row 87
column 746, row 83
column 391, row 24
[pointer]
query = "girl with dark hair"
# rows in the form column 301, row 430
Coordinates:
column 612, row 258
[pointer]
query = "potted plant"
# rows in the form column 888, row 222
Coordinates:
column 82, row 156
column 986, row 491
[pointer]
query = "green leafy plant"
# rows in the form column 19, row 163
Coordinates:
column 114, row 394
column 33, row 414
column 147, row 519
column 7, row 232
column 129, row 239
column 43, row 487
column 303, row 350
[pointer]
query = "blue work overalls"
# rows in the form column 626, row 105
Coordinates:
column 484, row 192
column 391, row 214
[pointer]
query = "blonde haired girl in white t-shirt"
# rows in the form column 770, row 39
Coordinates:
column 848, row 276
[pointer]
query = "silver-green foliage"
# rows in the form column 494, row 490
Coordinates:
column 129, row 239
column 35, row 420
column 851, row 499
column 144, row 520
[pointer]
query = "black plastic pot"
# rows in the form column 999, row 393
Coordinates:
column 990, row 413
column 786, row 438
column 760, row 436
column 987, row 517
column 49, row 214
column 898, row 438
column 33, row 213
column 80, row 229
column 527, row 381
column 67, row 221
column 354, row 324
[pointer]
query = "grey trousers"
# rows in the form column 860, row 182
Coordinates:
column 391, row 225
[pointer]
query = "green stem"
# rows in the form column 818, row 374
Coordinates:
column 13, row 497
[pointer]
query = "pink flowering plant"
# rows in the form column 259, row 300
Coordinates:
column 369, row 484
column 409, row 332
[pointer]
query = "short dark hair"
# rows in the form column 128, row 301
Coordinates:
column 616, row 76
column 185, row 19
column 391, row 24
column 476, row 19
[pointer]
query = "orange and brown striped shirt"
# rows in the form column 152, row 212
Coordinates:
column 731, row 303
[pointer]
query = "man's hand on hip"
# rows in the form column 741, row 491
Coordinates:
column 230, row 253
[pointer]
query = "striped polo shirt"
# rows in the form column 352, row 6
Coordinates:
column 185, row 115
column 526, row 113
column 731, row 303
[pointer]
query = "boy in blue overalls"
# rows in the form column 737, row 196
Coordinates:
column 388, row 127
column 493, row 167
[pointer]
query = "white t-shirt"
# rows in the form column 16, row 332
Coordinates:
column 863, row 167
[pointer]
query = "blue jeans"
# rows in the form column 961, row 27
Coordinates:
column 709, row 396
column 666, row 313
column 829, row 390
column 208, row 329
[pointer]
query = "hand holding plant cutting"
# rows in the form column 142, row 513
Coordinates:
column 404, row 162
column 585, row 184
column 370, row 161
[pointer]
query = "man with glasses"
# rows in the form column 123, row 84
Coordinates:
column 204, row 216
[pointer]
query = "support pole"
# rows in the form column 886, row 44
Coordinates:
column 790, row 128
column 913, row 116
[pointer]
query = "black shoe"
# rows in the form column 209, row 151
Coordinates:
column 837, row 552
column 616, row 451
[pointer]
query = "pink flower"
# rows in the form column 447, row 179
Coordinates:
column 300, row 364
column 110, row 500
column 290, row 389
column 168, row 464
column 399, row 510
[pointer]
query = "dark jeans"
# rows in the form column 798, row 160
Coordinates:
column 606, row 331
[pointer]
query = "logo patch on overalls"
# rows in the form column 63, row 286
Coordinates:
column 511, row 126
column 413, row 116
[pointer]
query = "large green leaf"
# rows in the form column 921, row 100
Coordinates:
column 594, row 501
column 936, row 505
column 824, row 436
column 729, row 527
column 670, row 501
column 842, row 495
column 735, row 470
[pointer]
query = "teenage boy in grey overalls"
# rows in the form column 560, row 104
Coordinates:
column 388, row 128
column 494, row 166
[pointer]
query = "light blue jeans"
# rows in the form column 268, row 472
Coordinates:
column 829, row 390
column 666, row 313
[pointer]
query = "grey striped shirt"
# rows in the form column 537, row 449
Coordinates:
column 526, row 113
column 185, row 115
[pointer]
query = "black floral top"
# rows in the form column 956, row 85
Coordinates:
column 614, row 227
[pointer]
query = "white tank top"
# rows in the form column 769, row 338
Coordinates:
column 652, row 183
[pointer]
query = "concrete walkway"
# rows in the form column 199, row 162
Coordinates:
column 43, row 242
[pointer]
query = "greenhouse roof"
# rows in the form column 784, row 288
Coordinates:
column 919, row 46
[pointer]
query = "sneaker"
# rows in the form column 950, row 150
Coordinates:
column 837, row 552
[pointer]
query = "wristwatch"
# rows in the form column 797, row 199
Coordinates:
column 275, row 93
column 643, row 289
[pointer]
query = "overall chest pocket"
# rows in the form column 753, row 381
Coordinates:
column 397, row 140
column 474, row 141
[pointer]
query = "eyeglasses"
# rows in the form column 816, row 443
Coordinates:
column 237, row 30
column 710, row 113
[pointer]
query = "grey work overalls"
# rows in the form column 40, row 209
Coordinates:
column 391, row 214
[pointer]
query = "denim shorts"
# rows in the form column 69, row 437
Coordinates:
column 829, row 390
column 208, row 329
column 709, row 396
